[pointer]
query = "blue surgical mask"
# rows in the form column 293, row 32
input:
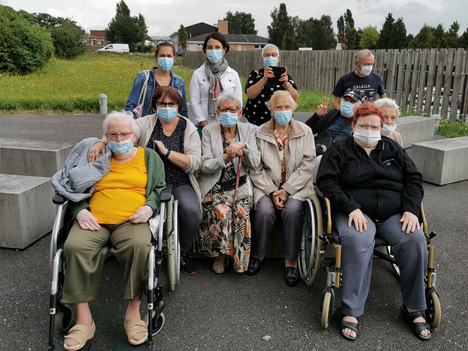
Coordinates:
column 228, row 119
column 346, row 108
column 283, row 117
column 365, row 70
column 121, row 148
column 167, row 114
column 215, row 55
column 270, row 61
column 165, row 63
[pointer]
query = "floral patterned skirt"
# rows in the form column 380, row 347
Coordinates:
column 226, row 230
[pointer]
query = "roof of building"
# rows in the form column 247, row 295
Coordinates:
column 233, row 39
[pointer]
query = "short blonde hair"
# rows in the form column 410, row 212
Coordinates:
column 279, row 94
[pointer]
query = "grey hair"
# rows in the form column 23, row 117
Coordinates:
column 270, row 46
column 388, row 102
column 226, row 97
column 360, row 54
column 120, row 115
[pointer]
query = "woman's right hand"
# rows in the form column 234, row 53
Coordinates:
column 98, row 148
column 360, row 222
column 87, row 221
column 322, row 108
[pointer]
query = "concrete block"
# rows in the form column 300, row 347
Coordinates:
column 415, row 129
column 26, row 210
column 442, row 161
column 32, row 157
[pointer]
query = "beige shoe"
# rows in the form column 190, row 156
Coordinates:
column 219, row 264
column 140, row 328
column 87, row 333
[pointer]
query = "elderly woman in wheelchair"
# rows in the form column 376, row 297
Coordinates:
column 375, row 190
column 122, row 201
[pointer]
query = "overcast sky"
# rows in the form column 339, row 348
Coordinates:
column 163, row 17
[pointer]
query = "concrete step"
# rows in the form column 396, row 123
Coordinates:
column 32, row 157
column 26, row 210
column 414, row 129
column 442, row 161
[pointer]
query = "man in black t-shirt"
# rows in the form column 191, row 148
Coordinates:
column 361, row 79
column 259, row 89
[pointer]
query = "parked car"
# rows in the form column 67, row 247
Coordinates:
column 115, row 48
column 180, row 52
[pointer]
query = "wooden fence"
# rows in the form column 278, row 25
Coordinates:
column 423, row 82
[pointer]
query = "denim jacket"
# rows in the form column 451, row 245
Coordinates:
column 176, row 82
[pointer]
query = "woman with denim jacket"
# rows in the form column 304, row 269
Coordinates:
column 165, row 55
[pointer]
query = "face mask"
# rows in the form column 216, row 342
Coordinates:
column 346, row 108
column 367, row 137
column 270, row 61
column 121, row 148
column 388, row 129
column 228, row 119
column 167, row 114
column 165, row 63
column 215, row 55
column 283, row 117
column 365, row 70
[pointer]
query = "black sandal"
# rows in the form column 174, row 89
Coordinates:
column 349, row 325
column 416, row 328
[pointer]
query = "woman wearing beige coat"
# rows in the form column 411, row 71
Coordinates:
column 176, row 140
column 282, row 181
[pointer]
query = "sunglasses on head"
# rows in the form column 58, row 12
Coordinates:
column 170, row 42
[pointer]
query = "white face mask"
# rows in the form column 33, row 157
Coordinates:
column 365, row 70
column 366, row 137
column 388, row 129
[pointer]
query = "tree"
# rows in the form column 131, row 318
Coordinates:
column 280, row 27
column 386, row 33
column 126, row 29
column 463, row 41
column 240, row 23
column 451, row 37
column 369, row 38
column 346, row 31
column 323, row 37
column 424, row 39
column 398, row 39
column 183, row 37
column 24, row 47
column 341, row 30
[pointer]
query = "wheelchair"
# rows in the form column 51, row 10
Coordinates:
column 316, row 254
column 164, row 242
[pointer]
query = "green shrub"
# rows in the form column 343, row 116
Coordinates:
column 67, row 40
column 452, row 130
column 24, row 47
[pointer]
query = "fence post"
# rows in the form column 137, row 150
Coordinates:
column 103, row 104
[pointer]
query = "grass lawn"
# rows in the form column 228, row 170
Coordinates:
column 74, row 86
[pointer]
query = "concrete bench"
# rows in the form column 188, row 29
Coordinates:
column 415, row 129
column 32, row 157
column 26, row 210
column 442, row 161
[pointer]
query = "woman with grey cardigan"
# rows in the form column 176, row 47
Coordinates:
column 176, row 140
column 229, row 151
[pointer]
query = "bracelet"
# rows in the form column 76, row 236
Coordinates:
column 168, row 153
column 100, row 141
column 289, row 86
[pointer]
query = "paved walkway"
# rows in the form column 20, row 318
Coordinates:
column 234, row 312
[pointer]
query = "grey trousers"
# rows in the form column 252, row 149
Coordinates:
column 265, row 218
column 189, row 215
column 410, row 252
column 85, row 251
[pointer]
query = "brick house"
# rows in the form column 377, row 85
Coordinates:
column 96, row 38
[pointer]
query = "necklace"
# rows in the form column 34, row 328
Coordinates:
column 171, row 130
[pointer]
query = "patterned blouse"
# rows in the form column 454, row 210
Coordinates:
column 175, row 142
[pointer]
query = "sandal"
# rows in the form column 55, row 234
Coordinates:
column 140, row 328
column 219, row 264
column 416, row 328
column 349, row 325
column 87, row 333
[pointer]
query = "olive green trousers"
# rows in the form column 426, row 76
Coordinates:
column 85, row 252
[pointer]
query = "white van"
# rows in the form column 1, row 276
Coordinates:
column 115, row 48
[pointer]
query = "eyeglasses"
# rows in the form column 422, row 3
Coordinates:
column 231, row 110
column 166, row 104
column 365, row 126
column 115, row 136
column 272, row 55
column 170, row 42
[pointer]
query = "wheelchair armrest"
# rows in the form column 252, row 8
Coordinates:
column 58, row 199
column 166, row 193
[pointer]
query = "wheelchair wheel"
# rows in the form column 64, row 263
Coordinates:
column 158, row 323
column 395, row 267
column 311, row 245
column 434, row 311
column 326, row 308
column 63, row 319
